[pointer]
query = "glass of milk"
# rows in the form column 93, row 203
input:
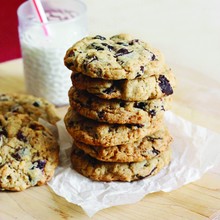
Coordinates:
column 45, row 73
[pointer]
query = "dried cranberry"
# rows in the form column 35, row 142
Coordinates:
column 165, row 85
column 71, row 53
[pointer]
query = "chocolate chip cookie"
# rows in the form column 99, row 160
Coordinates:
column 28, row 152
column 108, row 171
column 102, row 134
column 26, row 104
column 143, row 149
column 153, row 87
column 114, row 58
column 116, row 111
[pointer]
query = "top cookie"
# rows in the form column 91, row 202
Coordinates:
column 117, row 57
column 35, row 107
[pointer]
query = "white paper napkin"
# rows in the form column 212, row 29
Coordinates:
column 195, row 151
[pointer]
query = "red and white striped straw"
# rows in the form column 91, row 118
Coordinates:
column 37, row 5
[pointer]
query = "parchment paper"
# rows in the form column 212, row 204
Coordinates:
column 195, row 151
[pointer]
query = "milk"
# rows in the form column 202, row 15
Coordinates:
column 45, row 73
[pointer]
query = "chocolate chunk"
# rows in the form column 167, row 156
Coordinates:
column 141, row 70
column 99, row 37
column 138, row 75
column 108, row 46
column 121, row 52
column 165, row 85
column 40, row 164
column 3, row 132
column 122, row 43
column 35, row 126
column 139, row 177
column 134, row 41
column 152, row 112
column 153, row 57
column 109, row 90
column 152, row 139
column 140, row 125
column 21, row 137
column 16, row 156
column 155, row 151
column 36, row 104
column 96, row 47
column 122, row 104
column 89, row 60
column 162, row 108
column 151, row 171
column 112, row 127
column 128, row 125
column 141, row 105
column 101, row 114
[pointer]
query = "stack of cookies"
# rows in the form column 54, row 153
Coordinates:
column 121, row 89
column 29, row 152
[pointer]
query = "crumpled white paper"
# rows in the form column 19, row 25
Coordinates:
column 195, row 151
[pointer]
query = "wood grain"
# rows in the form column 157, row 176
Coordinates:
column 199, row 200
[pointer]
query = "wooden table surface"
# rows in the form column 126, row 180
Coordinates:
column 198, row 200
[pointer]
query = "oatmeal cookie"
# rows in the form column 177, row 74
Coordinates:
column 28, row 152
column 102, row 134
column 153, row 87
column 114, row 58
column 143, row 149
column 117, row 111
column 107, row 171
column 35, row 107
